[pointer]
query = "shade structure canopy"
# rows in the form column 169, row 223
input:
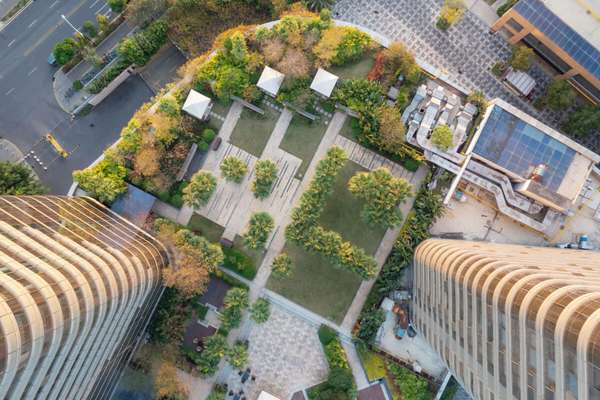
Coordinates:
column 197, row 105
column 324, row 82
column 266, row 396
column 270, row 81
column 521, row 81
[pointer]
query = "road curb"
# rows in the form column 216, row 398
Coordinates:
column 11, row 19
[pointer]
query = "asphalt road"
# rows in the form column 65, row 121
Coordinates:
column 28, row 108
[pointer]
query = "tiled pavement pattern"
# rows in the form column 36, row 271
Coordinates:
column 285, row 355
column 466, row 46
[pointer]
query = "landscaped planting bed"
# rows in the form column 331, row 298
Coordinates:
column 341, row 213
column 315, row 283
column 205, row 227
column 358, row 69
column 302, row 139
column 253, row 130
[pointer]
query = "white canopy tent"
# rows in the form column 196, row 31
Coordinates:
column 197, row 105
column 266, row 396
column 270, row 81
column 521, row 81
column 324, row 82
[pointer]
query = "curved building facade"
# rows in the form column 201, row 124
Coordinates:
column 78, row 284
column 510, row 321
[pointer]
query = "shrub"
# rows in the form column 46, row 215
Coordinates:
column 77, row 85
column 559, row 94
column 237, row 355
column 369, row 325
column 218, row 393
column 521, row 57
column 411, row 164
column 382, row 193
column 107, row 77
column 259, row 228
column 236, row 300
column 203, row 146
column 583, row 122
column 201, row 187
column 104, row 181
column 139, row 48
column 499, row 68
column 215, row 348
column 65, row 50
column 340, row 44
column 319, row 5
column 261, row 311
column 442, row 137
column 282, row 266
column 326, row 334
column 412, row 386
column 18, row 179
column 505, row 7
column 451, row 12
column 90, row 29
column 265, row 175
column 335, row 354
column 233, row 169
column 391, row 128
column 169, row 106
column 116, row 5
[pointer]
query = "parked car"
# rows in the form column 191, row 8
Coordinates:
column 52, row 60
column 216, row 143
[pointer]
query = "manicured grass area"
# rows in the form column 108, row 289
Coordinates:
column 302, row 139
column 349, row 128
column 373, row 363
column 220, row 108
column 317, row 285
column 358, row 69
column 253, row 130
column 342, row 210
column 205, row 227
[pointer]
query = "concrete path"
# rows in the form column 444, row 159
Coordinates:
column 357, row 369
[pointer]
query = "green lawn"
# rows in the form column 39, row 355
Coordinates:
column 132, row 383
column 373, row 363
column 302, row 139
column 348, row 130
column 253, row 130
column 358, row 69
column 205, row 227
column 342, row 210
column 317, row 285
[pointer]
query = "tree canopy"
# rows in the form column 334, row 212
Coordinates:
column 104, row 181
column 18, row 179
column 583, row 122
column 201, row 187
column 559, row 94
column 442, row 137
column 521, row 57
column 259, row 228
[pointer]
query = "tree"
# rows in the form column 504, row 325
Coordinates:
column 233, row 169
column 583, row 122
column 259, row 228
column 116, row 5
column 141, row 12
column 167, row 383
column 559, row 94
column 265, row 174
column 104, row 181
column 261, row 311
column 318, row 5
column 103, row 22
column 90, row 29
column 130, row 50
column 237, row 355
column 215, row 348
column 391, row 128
column 236, row 49
column 201, row 187
column 382, row 193
column 442, row 137
column 236, row 300
column 282, row 266
column 65, row 50
column 369, row 325
column 218, row 393
column 521, row 57
column 18, row 179
column 451, row 12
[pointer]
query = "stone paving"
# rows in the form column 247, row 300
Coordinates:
column 284, row 354
column 466, row 52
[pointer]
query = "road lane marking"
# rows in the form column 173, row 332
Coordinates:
column 53, row 4
column 44, row 37
column 10, row 91
column 32, row 71
column 33, row 23
column 101, row 8
column 12, row 42
column 94, row 3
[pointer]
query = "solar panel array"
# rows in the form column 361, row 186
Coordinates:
column 519, row 147
column 565, row 37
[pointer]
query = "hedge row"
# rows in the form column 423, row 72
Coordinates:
column 305, row 231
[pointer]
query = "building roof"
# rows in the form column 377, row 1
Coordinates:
column 196, row 104
column 270, row 80
column 266, row 396
column 517, row 143
column 574, row 25
column 324, row 82
column 134, row 205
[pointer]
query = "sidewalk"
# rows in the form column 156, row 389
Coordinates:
column 485, row 12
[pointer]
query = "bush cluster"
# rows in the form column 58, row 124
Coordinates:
column 340, row 381
column 265, row 175
column 239, row 262
column 139, row 48
column 305, row 231
column 259, row 228
column 236, row 301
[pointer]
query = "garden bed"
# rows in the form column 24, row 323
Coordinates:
column 316, row 284
column 302, row 139
column 241, row 260
column 341, row 213
column 253, row 130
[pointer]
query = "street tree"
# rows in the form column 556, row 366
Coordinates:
column 103, row 22
column 282, row 266
column 521, row 57
column 382, row 193
column 201, row 187
column 104, row 181
column 442, row 137
column 260, row 311
column 559, row 94
column 259, row 228
column 583, row 122
column 65, row 50
column 116, row 5
column 17, row 179
column 265, row 174
column 89, row 28
column 167, row 384
column 233, row 169
column 130, row 50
